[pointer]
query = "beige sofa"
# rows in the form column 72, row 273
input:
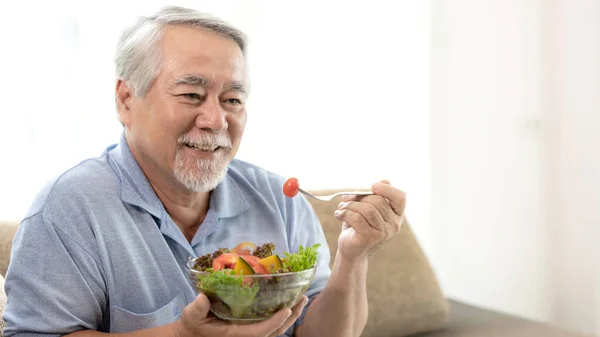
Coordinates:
column 404, row 295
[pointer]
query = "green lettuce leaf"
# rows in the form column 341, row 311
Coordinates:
column 304, row 259
column 229, row 289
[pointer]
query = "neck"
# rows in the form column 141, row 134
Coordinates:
column 187, row 209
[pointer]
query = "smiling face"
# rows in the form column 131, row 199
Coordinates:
column 189, row 126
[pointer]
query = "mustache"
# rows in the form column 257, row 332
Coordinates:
column 206, row 139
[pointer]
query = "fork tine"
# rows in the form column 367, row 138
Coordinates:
column 307, row 194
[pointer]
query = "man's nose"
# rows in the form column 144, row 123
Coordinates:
column 211, row 116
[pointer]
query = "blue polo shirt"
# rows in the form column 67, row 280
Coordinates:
column 98, row 251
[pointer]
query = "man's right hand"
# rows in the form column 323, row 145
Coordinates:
column 196, row 322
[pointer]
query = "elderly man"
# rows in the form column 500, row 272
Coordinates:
column 103, row 247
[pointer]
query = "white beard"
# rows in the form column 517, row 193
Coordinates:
column 201, row 175
column 204, row 176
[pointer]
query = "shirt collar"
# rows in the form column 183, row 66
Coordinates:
column 227, row 199
column 135, row 187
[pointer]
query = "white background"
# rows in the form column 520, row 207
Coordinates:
column 516, row 157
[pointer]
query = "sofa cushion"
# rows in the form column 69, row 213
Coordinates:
column 2, row 302
column 403, row 292
column 7, row 232
column 471, row 321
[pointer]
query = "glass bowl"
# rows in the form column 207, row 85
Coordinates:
column 250, row 297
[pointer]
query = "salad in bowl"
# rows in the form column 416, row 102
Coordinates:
column 251, row 283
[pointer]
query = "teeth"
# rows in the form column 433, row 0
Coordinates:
column 203, row 147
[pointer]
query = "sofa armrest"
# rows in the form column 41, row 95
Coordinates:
column 471, row 321
column 7, row 232
column 2, row 304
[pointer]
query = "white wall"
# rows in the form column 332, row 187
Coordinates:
column 339, row 96
column 515, row 178
column 347, row 105
column 574, row 155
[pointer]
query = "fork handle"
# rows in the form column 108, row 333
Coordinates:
column 354, row 193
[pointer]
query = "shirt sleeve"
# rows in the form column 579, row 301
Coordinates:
column 54, row 286
column 306, row 230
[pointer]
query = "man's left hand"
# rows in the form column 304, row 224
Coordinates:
column 370, row 221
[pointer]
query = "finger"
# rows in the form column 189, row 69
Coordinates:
column 297, row 309
column 266, row 327
column 396, row 197
column 354, row 220
column 367, row 210
column 296, row 312
column 394, row 220
column 350, row 197
column 383, row 207
column 196, row 312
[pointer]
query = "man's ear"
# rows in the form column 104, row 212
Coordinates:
column 124, row 97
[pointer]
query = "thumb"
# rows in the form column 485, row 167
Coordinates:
column 197, row 310
column 193, row 314
column 201, row 306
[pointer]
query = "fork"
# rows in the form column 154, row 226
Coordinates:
column 331, row 196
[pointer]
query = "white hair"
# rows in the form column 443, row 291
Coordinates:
column 138, row 57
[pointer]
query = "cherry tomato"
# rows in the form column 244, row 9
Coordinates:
column 290, row 188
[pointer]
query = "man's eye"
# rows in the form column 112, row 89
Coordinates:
column 233, row 101
column 192, row 96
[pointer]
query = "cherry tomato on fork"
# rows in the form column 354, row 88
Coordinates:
column 290, row 188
